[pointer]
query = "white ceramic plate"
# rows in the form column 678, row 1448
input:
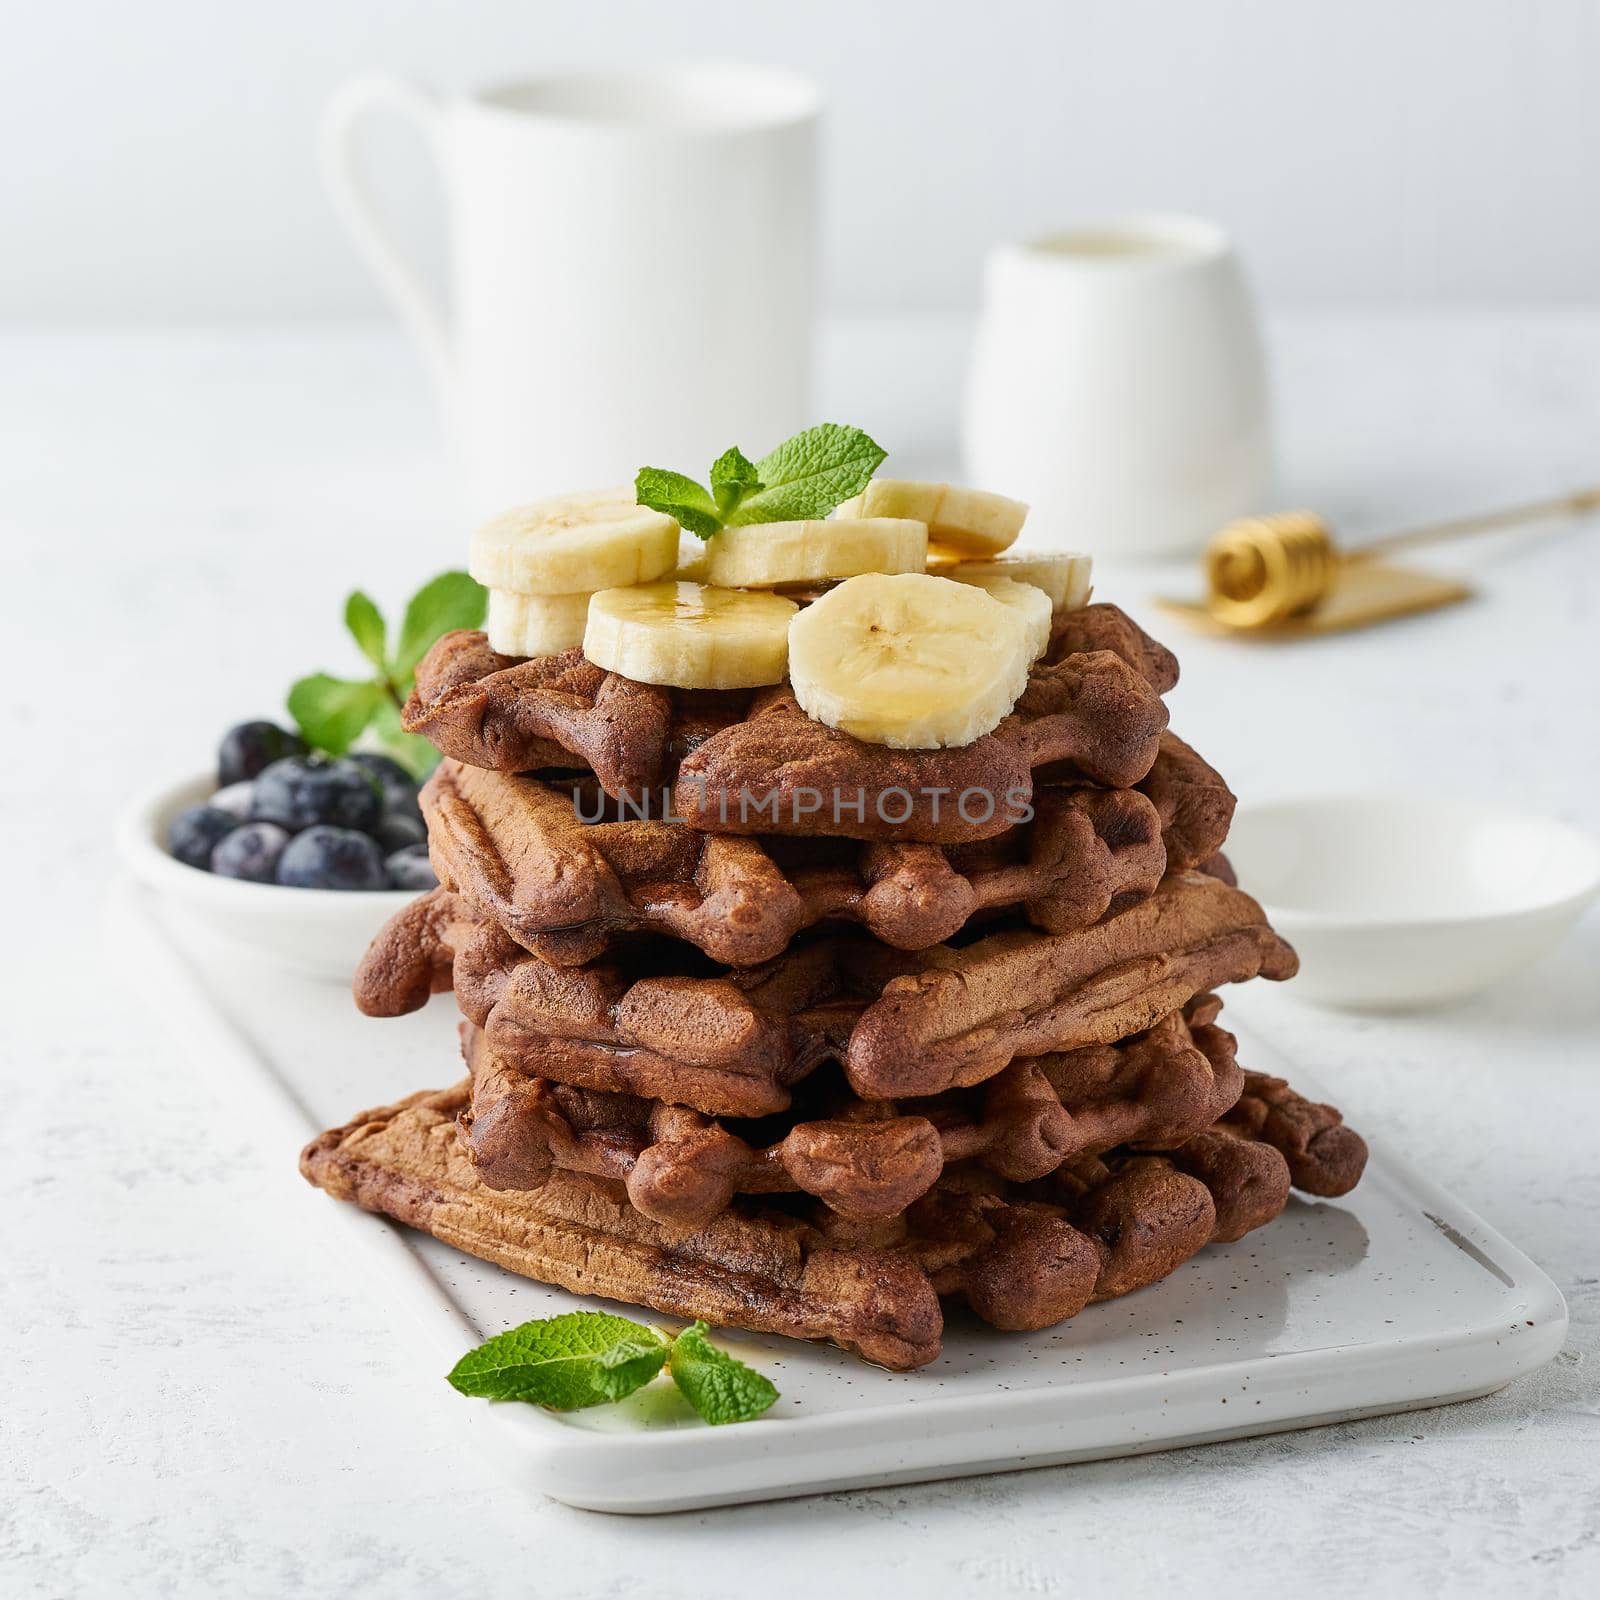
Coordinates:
column 1397, row 900
column 321, row 932
column 1393, row 1298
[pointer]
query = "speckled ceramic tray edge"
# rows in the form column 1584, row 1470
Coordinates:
column 1516, row 1327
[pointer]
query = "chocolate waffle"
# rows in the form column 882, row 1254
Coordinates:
column 1111, row 1224
column 754, row 763
column 764, row 1271
column 562, row 871
column 1028, row 1258
column 866, row 1160
column 1325, row 1157
column 733, row 1042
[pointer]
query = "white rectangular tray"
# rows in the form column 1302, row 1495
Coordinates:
column 1393, row 1298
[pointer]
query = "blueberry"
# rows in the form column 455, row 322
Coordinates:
column 411, row 869
column 302, row 791
column 235, row 800
column 251, row 747
column 250, row 852
column 331, row 858
column 195, row 832
column 399, row 787
column 394, row 832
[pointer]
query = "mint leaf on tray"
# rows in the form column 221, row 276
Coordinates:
column 719, row 1386
column 591, row 1358
column 560, row 1362
column 631, row 1363
column 806, row 476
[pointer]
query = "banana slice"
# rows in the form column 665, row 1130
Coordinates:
column 1066, row 579
column 1030, row 603
column 911, row 661
column 694, row 566
column 764, row 555
column 690, row 636
column 574, row 544
column 968, row 521
column 535, row 624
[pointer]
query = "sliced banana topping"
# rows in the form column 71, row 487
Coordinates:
column 694, row 565
column 967, row 522
column 574, row 544
column 765, row 555
column 1030, row 603
column 535, row 624
column 913, row 661
column 690, row 636
column 1065, row 578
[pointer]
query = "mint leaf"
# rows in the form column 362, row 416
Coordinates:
column 630, row 1364
column 678, row 497
column 732, row 478
column 365, row 622
column 452, row 600
column 719, row 1386
column 332, row 712
column 411, row 750
column 810, row 474
column 560, row 1361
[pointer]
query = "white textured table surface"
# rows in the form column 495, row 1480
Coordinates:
column 197, row 1402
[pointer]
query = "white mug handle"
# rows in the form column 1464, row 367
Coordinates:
column 418, row 310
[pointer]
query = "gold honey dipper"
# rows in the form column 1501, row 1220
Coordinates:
column 1265, row 572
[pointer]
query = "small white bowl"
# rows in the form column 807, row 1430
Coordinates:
column 1396, row 901
column 320, row 931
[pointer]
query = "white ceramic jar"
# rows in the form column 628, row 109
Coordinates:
column 1118, row 386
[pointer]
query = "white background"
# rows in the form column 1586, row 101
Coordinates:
column 156, row 160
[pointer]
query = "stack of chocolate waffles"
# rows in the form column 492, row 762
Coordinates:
column 793, row 1067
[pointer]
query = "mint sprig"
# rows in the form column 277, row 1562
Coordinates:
column 332, row 713
column 591, row 1358
column 806, row 476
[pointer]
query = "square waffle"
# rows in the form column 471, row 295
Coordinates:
column 1022, row 1256
column 749, row 761
column 867, row 1160
column 734, row 1041
column 565, row 871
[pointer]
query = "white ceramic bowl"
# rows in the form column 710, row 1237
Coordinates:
column 320, row 931
column 1396, row 901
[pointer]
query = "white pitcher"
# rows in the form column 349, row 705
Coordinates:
column 632, row 265
column 1118, row 387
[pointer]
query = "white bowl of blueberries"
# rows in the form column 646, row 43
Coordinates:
column 298, row 855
